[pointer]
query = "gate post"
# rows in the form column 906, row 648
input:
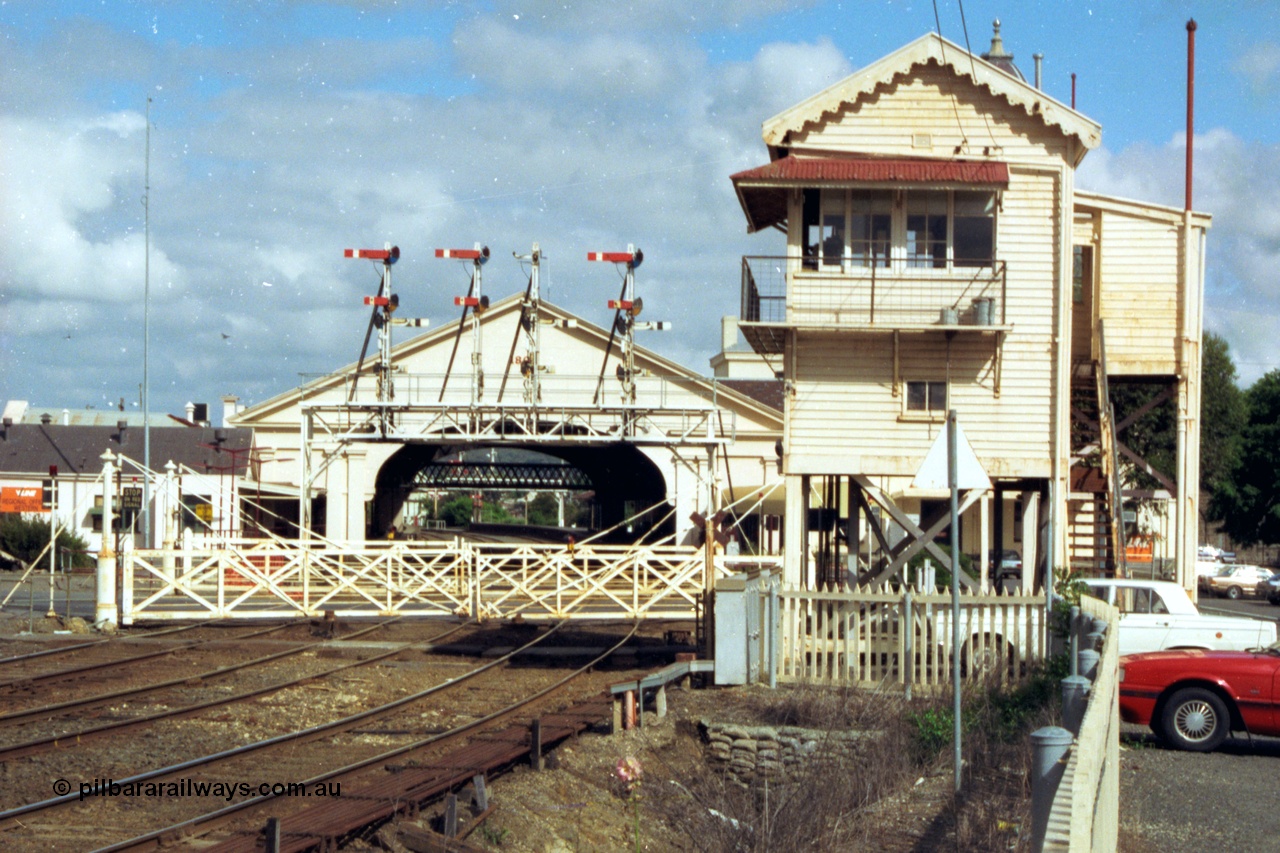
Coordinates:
column 105, row 611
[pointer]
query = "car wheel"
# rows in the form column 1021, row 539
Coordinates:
column 1195, row 719
column 1234, row 593
column 987, row 655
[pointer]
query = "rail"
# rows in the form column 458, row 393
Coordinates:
column 1086, row 810
column 785, row 290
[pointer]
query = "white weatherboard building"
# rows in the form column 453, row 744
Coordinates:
column 937, row 255
column 688, row 444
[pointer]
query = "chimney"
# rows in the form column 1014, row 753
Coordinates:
column 46, row 418
column 66, row 417
column 191, row 412
column 1039, row 58
column 230, row 408
column 200, row 413
column 728, row 333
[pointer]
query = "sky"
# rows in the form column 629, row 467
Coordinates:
column 283, row 132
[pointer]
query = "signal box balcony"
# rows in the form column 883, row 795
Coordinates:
column 781, row 293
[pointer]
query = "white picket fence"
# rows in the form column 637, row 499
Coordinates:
column 859, row 636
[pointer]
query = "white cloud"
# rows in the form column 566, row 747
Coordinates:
column 70, row 221
column 1260, row 66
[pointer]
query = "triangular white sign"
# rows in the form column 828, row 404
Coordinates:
column 933, row 471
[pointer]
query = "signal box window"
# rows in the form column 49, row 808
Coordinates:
column 926, row 398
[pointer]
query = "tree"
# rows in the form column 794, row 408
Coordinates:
column 457, row 512
column 544, row 510
column 1248, row 501
column 24, row 537
column 1222, row 416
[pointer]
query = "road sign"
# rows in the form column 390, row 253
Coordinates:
column 131, row 497
column 933, row 471
column 21, row 499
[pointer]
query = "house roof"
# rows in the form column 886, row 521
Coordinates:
column 762, row 191
column 933, row 48
column 77, row 450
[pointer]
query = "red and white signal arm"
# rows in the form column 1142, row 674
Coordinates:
column 387, row 256
column 380, row 301
column 479, row 253
column 615, row 257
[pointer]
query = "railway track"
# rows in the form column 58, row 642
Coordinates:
column 69, row 738
column 95, row 668
column 337, row 748
column 65, row 649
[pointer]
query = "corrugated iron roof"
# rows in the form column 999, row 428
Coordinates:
column 762, row 190
column 877, row 170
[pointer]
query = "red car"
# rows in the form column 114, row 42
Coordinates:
column 1193, row 698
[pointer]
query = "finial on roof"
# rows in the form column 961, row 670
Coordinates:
column 997, row 56
column 997, row 43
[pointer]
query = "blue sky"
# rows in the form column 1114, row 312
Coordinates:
column 283, row 132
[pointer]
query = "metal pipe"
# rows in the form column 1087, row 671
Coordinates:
column 1073, row 90
column 1039, row 58
column 1191, row 101
column 1049, row 747
column 954, row 539
column 1075, row 698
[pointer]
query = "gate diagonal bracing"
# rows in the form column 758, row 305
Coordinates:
column 473, row 580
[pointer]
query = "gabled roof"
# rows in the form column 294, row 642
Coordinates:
column 256, row 414
column 927, row 48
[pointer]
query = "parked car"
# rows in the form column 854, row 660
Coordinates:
column 1193, row 699
column 1270, row 588
column 1157, row 615
column 1236, row 581
column 1005, row 564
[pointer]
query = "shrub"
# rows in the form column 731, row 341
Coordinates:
column 25, row 537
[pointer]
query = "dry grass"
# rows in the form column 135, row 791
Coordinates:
column 858, row 799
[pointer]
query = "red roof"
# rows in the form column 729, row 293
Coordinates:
column 825, row 169
column 762, row 190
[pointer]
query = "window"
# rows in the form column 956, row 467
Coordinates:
column 1081, row 271
column 926, row 398
column 973, row 239
column 870, row 227
column 918, row 229
column 927, row 229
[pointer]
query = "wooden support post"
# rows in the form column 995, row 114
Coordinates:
column 535, row 748
column 273, row 834
column 451, row 816
column 629, row 710
column 480, row 792
column 660, row 700
column 616, row 724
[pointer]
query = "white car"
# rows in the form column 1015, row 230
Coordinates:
column 1157, row 615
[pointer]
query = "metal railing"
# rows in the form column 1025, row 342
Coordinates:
column 781, row 289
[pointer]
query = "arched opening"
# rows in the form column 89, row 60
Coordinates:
column 516, row 488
